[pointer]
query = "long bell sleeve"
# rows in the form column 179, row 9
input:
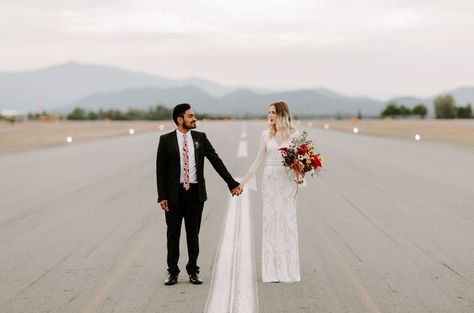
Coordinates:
column 261, row 155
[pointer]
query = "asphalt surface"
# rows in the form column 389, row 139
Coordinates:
column 387, row 227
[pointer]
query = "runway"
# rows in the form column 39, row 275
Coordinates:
column 387, row 227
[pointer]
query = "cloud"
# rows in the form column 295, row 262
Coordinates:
column 246, row 21
column 238, row 42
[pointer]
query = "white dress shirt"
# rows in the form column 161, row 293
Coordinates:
column 191, row 159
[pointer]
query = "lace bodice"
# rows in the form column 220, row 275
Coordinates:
column 267, row 152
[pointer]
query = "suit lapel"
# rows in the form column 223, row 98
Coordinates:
column 195, row 138
column 174, row 142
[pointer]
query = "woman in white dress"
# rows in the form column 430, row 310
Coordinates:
column 280, row 258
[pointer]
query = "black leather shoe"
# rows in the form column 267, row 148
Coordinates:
column 171, row 280
column 194, row 279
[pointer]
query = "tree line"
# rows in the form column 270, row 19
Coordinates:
column 154, row 113
column 445, row 107
column 394, row 110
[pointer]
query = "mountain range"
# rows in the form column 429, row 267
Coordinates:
column 60, row 88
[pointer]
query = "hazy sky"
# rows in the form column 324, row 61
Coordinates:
column 376, row 47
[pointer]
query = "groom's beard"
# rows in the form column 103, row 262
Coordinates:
column 191, row 125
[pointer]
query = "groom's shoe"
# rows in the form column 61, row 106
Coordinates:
column 171, row 280
column 194, row 279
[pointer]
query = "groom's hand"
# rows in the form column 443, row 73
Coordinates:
column 164, row 205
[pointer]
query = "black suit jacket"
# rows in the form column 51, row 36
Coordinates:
column 168, row 167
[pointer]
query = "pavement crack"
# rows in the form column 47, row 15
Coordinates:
column 451, row 269
column 353, row 205
column 47, row 272
column 347, row 245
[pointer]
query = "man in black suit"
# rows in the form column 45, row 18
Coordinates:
column 182, row 189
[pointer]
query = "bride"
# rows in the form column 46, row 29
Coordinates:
column 280, row 259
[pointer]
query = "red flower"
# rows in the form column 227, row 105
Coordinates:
column 316, row 162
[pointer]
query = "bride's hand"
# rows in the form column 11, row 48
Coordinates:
column 237, row 191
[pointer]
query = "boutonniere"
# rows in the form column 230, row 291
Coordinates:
column 196, row 144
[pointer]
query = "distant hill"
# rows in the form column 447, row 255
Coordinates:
column 209, row 87
column 60, row 88
column 412, row 101
column 57, row 86
column 142, row 98
column 240, row 102
column 303, row 102
column 462, row 96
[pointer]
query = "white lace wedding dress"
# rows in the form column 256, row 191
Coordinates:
column 280, row 258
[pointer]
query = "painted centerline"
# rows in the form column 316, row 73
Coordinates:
column 233, row 286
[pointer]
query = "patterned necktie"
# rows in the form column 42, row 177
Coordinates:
column 186, row 164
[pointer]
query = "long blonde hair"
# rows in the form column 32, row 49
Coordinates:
column 284, row 121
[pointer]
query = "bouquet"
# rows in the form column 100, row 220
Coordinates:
column 300, row 157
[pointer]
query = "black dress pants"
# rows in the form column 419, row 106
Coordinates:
column 189, row 208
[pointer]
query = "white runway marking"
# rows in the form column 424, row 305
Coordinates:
column 243, row 134
column 233, row 286
column 242, row 152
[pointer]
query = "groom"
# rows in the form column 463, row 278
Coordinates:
column 181, row 187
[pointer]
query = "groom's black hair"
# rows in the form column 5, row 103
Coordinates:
column 179, row 110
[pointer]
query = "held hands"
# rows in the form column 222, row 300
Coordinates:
column 237, row 191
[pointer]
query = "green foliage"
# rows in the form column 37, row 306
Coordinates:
column 11, row 120
column 464, row 112
column 33, row 116
column 92, row 115
column 391, row 110
column 420, row 110
column 114, row 115
column 159, row 112
column 153, row 113
column 445, row 107
column 211, row 116
column 77, row 114
column 404, row 111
